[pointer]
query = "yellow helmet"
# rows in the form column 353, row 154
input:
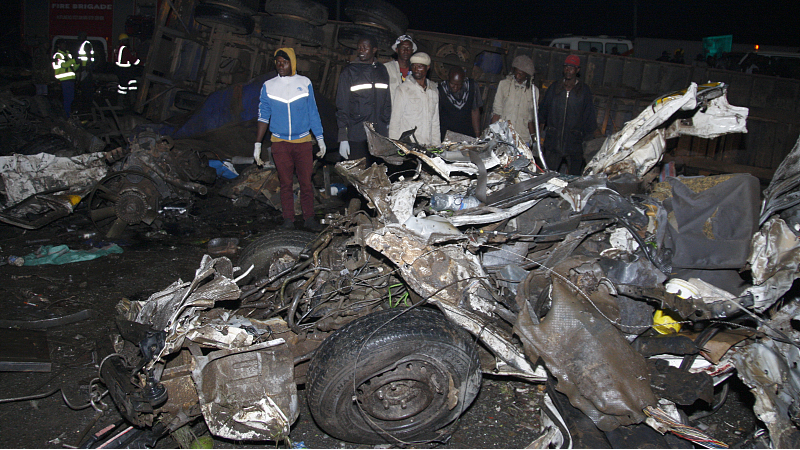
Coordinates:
column 123, row 36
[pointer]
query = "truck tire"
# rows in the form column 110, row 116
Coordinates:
column 393, row 376
column 276, row 27
column 247, row 7
column 349, row 35
column 307, row 10
column 211, row 15
column 378, row 13
column 273, row 252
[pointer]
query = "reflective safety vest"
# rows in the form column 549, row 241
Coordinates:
column 64, row 65
column 86, row 53
column 124, row 58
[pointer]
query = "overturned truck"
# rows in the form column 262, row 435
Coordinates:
column 608, row 287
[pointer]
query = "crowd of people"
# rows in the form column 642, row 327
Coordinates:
column 400, row 101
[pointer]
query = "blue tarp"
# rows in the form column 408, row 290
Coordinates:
column 61, row 254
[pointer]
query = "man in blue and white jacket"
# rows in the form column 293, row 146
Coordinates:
column 289, row 110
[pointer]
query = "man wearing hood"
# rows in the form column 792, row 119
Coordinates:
column 514, row 99
column 288, row 108
column 362, row 96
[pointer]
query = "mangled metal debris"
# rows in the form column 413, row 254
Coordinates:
column 638, row 146
column 577, row 273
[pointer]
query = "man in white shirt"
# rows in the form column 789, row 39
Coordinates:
column 400, row 69
column 416, row 104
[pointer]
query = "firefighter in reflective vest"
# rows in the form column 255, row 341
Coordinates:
column 64, row 68
column 126, row 62
column 85, row 66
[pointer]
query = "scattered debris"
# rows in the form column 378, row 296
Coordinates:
column 593, row 275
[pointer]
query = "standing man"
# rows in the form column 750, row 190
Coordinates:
column 288, row 108
column 568, row 117
column 125, row 60
column 398, row 70
column 514, row 99
column 459, row 104
column 85, row 66
column 417, row 104
column 64, row 69
column 362, row 96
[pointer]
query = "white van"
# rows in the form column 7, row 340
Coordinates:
column 599, row 44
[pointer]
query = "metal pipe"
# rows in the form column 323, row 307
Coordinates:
column 536, row 125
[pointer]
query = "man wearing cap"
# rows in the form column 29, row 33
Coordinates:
column 288, row 107
column 417, row 104
column 569, row 118
column 514, row 99
column 398, row 70
column 362, row 96
column 459, row 104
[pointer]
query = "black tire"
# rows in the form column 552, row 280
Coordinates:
column 212, row 15
column 273, row 252
column 350, row 34
column 417, row 354
column 247, row 7
column 188, row 100
column 307, row 10
column 49, row 143
column 378, row 12
column 275, row 27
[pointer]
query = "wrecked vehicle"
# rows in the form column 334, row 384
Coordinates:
column 629, row 306
column 121, row 187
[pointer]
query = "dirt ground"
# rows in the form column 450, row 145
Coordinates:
column 505, row 414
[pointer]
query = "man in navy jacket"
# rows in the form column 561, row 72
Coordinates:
column 362, row 96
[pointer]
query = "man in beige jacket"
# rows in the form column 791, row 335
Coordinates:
column 514, row 99
column 416, row 104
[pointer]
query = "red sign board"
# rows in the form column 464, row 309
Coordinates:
column 70, row 17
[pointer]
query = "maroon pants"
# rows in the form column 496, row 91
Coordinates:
column 294, row 158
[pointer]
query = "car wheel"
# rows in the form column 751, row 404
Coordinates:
column 350, row 34
column 307, row 10
column 276, row 27
column 377, row 13
column 393, row 376
column 212, row 15
column 272, row 253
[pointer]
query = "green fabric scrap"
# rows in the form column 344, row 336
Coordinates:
column 61, row 254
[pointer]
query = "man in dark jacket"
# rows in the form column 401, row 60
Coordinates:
column 569, row 119
column 362, row 96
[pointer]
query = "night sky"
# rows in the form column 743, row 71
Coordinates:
column 750, row 22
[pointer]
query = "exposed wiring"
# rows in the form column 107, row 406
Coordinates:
column 684, row 431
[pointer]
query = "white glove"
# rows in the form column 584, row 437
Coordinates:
column 322, row 148
column 257, row 154
column 344, row 149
